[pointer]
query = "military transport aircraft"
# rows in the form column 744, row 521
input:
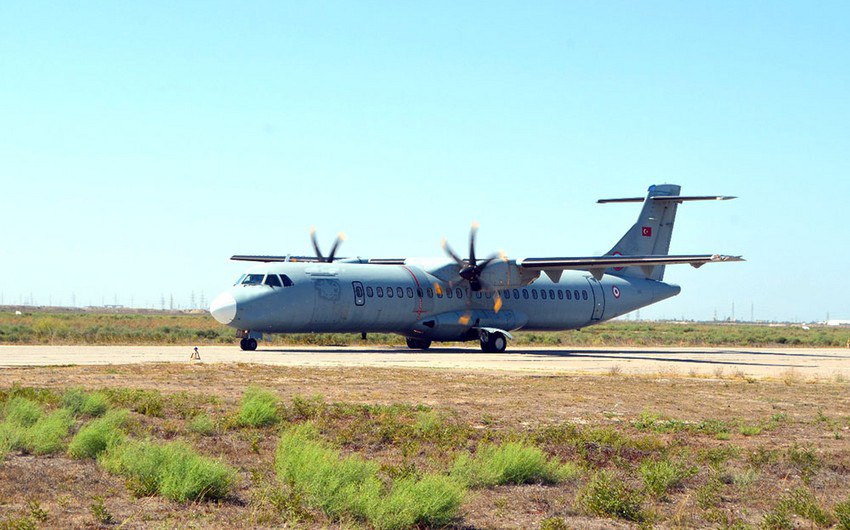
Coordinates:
column 440, row 299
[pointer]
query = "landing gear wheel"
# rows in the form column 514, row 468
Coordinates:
column 418, row 344
column 493, row 342
column 248, row 344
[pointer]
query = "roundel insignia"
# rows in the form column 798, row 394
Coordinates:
column 618, row 253
column 616, row 291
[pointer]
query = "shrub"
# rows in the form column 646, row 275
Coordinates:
column 607, row 496
column 146, row 402
column 98, row 435
column 351, row 487
column 47, row 434
column 82, row 404
column 258, row 409
column 173, row 470
column 22, row 412
column 11, row 438
column 509, row 463
column 661, row 476
column 202, row 424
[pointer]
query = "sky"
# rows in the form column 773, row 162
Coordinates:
column 144, row 143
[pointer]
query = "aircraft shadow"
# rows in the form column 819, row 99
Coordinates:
column 604, row 354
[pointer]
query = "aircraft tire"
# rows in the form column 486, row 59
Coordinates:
column 418, row 344
column 248, row 344
column 493, row 342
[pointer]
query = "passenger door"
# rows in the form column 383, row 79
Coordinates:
column 598, row 299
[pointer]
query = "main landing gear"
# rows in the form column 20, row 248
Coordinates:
column 492, row 342
column 418, row 344
column 248, row 344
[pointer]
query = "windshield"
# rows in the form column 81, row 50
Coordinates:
column 253, row 279
column 240, row 280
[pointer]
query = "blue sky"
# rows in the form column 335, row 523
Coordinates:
column 143, row 143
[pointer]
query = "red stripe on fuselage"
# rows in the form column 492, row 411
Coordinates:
column 419, row 289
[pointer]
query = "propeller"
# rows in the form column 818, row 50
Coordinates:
column 470, row 269
column 329, row 259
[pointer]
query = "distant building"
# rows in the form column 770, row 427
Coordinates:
column 835, row 322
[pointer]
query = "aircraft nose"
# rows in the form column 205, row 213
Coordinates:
column 223, row 308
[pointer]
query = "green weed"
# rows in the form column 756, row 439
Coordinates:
column 608, row 496
column 47, row 435
column 802, row 502
column 202, row 424
column 842, row 514
column 351, row 486
column 173, row 470
column 258, row 408
column 509, row 463
column 81, row 403
column 98, row 435
column 661, row 476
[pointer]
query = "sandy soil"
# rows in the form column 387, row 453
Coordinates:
column 754, row 362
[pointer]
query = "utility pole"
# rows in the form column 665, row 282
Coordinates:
column 171, row 302
column 733, row 311
column 162, row 302
column 752, row 312
column 73, row 299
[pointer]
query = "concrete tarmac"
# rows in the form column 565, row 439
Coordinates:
column 712, row 362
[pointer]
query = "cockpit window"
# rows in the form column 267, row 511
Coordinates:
column 286, row 281
column 253, row 279
column 272, row 280
column 240, row 279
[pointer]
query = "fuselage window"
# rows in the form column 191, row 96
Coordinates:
column 430, row 293
column 525, row 293
column 575, row 293
column 419, row 292
column 286, row 281
column 240, row 279
column 584, row 295
column 551, row 294
column 569, row 295
column 380, row 292
column 516, row 294
column 439, row 292
column 543, row 294
column 410, row 292
column 560, row 294
column 400, row 292
column 534, row 293
column 448, row 293
column 272, row 280
column 370, row 292
column 389, row 292
column 253, row 279
column 478, row 295
column 507, row 294
column 459, row 292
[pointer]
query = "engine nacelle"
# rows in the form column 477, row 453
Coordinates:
column 501, row 274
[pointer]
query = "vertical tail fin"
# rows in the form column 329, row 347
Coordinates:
column 651, row 234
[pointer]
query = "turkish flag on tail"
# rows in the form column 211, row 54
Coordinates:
column 646, row 231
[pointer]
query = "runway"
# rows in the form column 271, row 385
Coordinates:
column 743, row 362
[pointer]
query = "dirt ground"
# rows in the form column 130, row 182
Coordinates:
column 814, row 405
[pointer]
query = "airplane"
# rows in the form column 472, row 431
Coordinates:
column 454, row 299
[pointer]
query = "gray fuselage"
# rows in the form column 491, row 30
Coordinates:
column 406, row 299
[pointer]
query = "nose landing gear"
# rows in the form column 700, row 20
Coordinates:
column 248, row 344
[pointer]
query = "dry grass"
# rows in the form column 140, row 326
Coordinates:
column 413, row 423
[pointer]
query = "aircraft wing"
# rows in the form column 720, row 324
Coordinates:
column 314, row 259
column 269, row 259
column 597, row 265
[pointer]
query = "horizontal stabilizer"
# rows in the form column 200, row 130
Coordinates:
column 674, row 198
column 270, row 259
